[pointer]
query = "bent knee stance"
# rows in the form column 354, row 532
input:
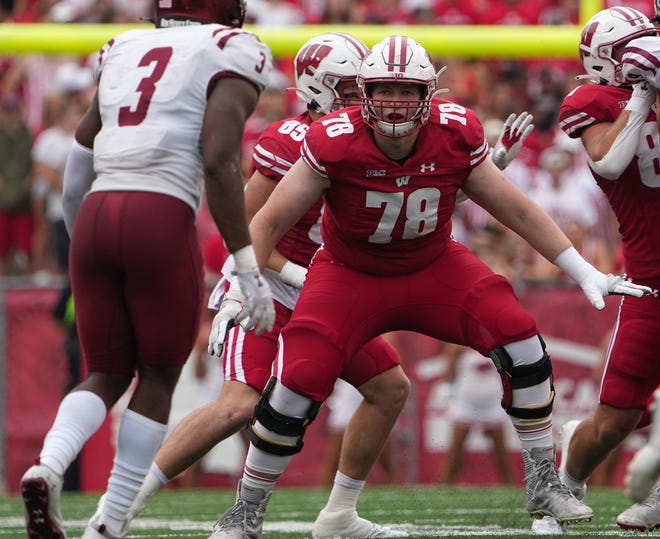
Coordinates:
column 528, row 393
column 280, row 420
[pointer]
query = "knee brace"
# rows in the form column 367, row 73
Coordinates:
column 521, row 377
column 279, row 423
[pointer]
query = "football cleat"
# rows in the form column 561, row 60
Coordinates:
column 102, row 527
column 546, row 494
column 644, row 515
column 347, row 523
column 41, row 488
column 246, row 518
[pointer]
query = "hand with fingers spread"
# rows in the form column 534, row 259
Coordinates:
column 516, row 129
column 595, row 284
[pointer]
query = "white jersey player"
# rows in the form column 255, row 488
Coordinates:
column 168, row 115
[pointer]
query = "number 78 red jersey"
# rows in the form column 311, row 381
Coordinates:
column 388, row 217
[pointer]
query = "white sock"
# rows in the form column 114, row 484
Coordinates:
column 264, row 465
column 153, row 481
column 138, row 441
column 574, row 484
column 345, row 493
column 79, row 416
column 654, row 432
column 533, row 432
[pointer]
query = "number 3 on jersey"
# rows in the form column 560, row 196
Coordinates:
column 160, row 56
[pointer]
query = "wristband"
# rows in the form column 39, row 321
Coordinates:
column 76, row 181
column 245, row 259
column 572, row 263
column 641, row 99
column 293, row 274
column 639, row 104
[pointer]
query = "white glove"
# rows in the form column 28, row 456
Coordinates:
column 514, row 133
column 641, row 99
column 293, row 274
column 231, row 310
column 597, row 285
column 641, row 60
column 258, row 299
column 594, row 284
column 642, row 473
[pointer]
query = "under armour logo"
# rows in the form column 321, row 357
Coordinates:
column 424, row 168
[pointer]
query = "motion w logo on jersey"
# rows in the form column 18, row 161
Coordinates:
column 402, row 180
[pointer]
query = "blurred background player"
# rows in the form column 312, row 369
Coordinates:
column 16, row 219
column 475, row 404
column 134, row 245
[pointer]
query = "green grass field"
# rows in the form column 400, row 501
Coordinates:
column 422, row 511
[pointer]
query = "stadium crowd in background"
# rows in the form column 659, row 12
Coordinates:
column 549, row 164
column 493, row 88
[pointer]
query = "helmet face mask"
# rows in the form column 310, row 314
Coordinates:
column 325, row 71
column 404, row 68
column 396, row 108
column 603, row 39
column 192, row 12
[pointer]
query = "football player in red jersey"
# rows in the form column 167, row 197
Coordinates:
column 167, row 119
column 325, row 71
column 615, row 120
column 388, row 172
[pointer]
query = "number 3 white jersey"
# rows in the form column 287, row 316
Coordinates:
column 153, row 88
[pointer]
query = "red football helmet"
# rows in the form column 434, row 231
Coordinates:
column 186, row 12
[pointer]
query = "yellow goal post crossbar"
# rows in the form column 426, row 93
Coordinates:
column 539, row 41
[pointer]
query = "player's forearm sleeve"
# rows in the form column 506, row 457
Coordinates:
column 78, row 177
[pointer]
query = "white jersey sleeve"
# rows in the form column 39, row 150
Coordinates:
column 153, row 88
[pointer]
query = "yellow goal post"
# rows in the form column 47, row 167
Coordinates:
column 513, row 42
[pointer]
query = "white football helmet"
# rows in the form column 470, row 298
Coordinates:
column 603, row 39
column 324, row 62
column 397, row 59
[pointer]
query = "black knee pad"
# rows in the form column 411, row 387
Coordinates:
column 279, row 423
column 523, row 376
